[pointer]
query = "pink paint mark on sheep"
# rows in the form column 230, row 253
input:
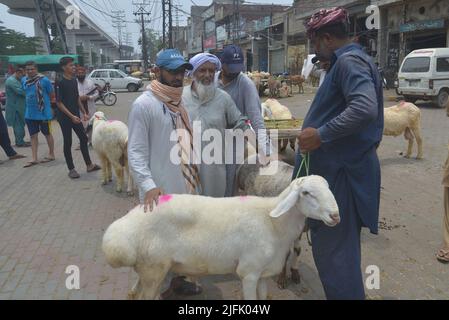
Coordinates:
column 111, row 121
column 243, row 198
column 165, row 198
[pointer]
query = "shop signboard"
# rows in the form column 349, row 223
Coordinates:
column 422, row 25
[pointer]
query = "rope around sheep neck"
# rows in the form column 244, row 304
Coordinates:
column 306, row 164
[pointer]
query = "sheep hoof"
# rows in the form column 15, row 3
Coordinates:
column 119, row 190
column 130, row 194
column 104, row 183
column 131, row 295
column 296, row 278
column 407, row 157
column 419, row 157
column 282, row 281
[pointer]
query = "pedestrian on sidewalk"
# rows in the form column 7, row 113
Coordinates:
column 341, row 133
column 69, row 116
column 443, row 253
column 245, row 95
column 38, row 114
column 88, row 94
column 5, row 142
column 153, row 118
column 15, row 106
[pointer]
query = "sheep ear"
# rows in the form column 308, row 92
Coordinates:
column 286, row 204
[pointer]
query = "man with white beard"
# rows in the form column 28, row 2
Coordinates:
column 214, row 109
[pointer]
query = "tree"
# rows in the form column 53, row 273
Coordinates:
column 154, row 44
column 17, row 43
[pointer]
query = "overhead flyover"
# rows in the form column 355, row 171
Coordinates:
column 51, row 15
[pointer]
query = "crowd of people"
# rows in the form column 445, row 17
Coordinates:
column 340, row 135
column 29, row 99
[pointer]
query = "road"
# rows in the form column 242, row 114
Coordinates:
column 48, row 222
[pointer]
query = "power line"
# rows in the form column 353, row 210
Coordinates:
column 141, row 10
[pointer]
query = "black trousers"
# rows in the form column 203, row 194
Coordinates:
column 67, row 126
column 5, row 143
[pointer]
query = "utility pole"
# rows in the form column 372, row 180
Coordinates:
column 142, row 12
column 118, row 22
column 167, row 23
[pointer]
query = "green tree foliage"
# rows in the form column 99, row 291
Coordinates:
column 17, row 43
column 154, row 44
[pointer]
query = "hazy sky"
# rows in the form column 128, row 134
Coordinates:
column 26, row 25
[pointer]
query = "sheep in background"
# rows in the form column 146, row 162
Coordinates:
column 186, row 234
column 252, row 183
column 273, row 110
column 298, row 81
column 274, row 86
column 285, row 91
column 405, row 118
column 110, row 141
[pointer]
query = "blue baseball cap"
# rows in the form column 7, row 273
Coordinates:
column 172, row 59
column 232, row 56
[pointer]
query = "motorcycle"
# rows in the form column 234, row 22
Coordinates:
column 106, row 95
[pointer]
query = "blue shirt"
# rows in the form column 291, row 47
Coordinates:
column 348, row 113
column 32, row 110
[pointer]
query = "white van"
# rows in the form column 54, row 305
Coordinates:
column 424, row 75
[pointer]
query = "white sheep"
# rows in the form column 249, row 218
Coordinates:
column 110, row 141
column 273, row 110
column 186, row 234
column 251, row 182
column 405, row 118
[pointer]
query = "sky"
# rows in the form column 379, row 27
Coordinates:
column 104, row 7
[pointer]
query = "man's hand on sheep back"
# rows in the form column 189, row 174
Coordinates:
column 309, row 140
column 151, row 197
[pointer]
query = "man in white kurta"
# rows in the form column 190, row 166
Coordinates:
column 213, row 109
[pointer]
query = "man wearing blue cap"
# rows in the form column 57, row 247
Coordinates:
column 152, row 119
column 244, row 93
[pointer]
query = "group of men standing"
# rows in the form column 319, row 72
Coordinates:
column 341, row 132
column 29, row 99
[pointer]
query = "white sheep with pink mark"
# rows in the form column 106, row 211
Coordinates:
column 110, row 141
column 186, row 234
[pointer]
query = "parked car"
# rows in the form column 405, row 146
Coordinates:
column 424, row 75
column 116, row 78
column 2, row 100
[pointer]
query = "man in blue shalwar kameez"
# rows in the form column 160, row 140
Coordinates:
column 341, row 132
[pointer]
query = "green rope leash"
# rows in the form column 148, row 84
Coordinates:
column 304, row 163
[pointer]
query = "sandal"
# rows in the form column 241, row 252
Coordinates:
column 31, row 164
column 443, row 256
column 47, row 160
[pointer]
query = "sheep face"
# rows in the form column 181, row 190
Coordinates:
column 312, row 197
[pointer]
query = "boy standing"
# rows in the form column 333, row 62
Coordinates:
column 69, row 118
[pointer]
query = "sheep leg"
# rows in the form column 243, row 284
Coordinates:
column 120, row 181
column 282, row 279
column 130, row 182
column 296, row 278
column 262, row 290
column 132, row 294
column 104, row 169
column 409, row 136
column 250, row 283
column 109, row 166
column 151, row 278
column 417, row 133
